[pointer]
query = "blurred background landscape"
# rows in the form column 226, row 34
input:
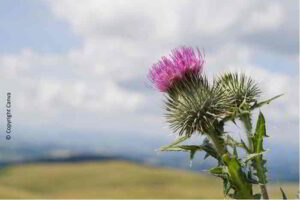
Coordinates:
column 86, row 121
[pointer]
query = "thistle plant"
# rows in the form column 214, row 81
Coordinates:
column 193, row 105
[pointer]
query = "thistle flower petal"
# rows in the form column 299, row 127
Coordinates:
column 170, row 69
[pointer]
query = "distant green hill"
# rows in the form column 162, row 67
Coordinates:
column 112, row 179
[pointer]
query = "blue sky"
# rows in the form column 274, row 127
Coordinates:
column 30, row 24
column 82, row 67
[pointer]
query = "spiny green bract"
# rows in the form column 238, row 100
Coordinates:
column 195, row 105
column 239, row 88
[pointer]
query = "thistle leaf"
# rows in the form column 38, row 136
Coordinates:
column 245, row 146
column 227, row 186
column 237, row 177
column 217, row 170
column 258, row 161
column 250, row 178
column 260, row 104
column 221, row 172
column 206, row 156
column 192, row 149
column 233, row 143
column 192, row 154
column 209, row 149
column 171, row 146
column 251, row 157
column 184, row 148
column 246, row 120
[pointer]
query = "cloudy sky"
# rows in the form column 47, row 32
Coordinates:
column 81, row 65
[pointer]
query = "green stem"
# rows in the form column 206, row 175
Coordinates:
column 243, row 189
column 215, row 135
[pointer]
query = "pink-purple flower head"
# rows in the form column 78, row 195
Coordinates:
column 181, row 61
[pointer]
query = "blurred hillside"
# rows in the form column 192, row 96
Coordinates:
column 283, row 161
column 113, row 179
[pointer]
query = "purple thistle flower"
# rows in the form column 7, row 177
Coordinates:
column 167, row 70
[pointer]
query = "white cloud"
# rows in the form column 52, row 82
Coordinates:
column 267, row 18
column 236, row 58
column 104, row 79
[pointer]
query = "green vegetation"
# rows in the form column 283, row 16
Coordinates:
column 114, row 179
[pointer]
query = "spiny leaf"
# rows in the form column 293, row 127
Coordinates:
column 283, row 194
column 245, row 146
column 206, row 146
column 231, row 142
column 220, row 171
column 184, row 148
column 258, row 162
column 250, row 178
column 227, row 186
column 179, row 140
column 260, row 126
column 217, row 170
column 206, row 156
column 251, row 156
column 260, row 104
column 246, row 120
column 209, row 149
column 190, row 148
column 237, row 177
column 192, row 154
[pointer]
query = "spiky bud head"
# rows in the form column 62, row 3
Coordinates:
column 238, row 88
column 194, row 106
